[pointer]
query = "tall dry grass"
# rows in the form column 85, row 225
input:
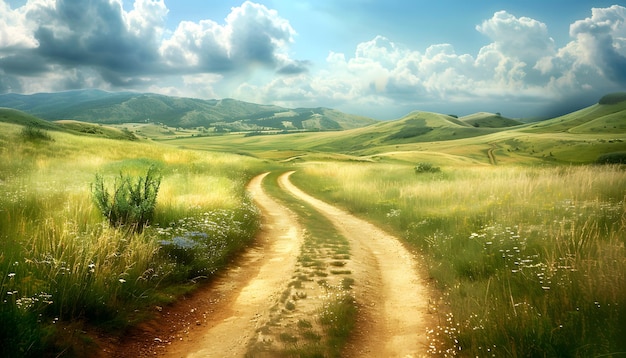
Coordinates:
column 531, row 261
column 61, row 266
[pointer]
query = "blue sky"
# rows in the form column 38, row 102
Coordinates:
column 381, row 59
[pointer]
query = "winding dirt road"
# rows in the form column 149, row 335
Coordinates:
column 393, row 300
column 223, row 319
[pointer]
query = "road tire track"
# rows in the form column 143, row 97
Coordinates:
column 220, row 319
column 392, row 298
column 223, row 318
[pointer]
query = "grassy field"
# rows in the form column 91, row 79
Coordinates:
column 530, row 261
column 64, row 271
column 576, row 138
column 524, row 236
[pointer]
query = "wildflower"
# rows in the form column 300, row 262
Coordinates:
column 11, row 275
column 122, row 280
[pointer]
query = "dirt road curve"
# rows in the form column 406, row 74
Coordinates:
column 248, row 308
column 220, row 320
column 393, row 299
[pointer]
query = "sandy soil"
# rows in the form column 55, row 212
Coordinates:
column 394, row 314
column 223, row 318
column 219, row 320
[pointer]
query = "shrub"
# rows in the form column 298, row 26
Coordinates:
column 132, row 201
column 425, row 167
column 35, row 134
column 612, row 158
column 613, row 98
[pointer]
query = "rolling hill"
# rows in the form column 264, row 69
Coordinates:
column 579, row 137
column 13, row 116
column 489, row 120
column 96, row 106
column 607, row 116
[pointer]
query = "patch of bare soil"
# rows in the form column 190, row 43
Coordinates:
column 219, row 320
column 269, row 301
column 393, row 299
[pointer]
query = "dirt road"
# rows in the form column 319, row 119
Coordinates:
column 223, row 319
column 220, row 320
column 393, row 299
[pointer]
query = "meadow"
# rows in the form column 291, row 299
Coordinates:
column 523, row 238
column 65, row 273
column 530, row 261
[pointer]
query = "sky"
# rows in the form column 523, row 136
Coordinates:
column 377, row 58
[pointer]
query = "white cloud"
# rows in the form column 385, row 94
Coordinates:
column 595, row 59
column 252, row 35
column 147, row 19
column 15, row 31
column 521, row 38
column 55, row 45
column 129, row 49
column 521, row 62
column 200, row 45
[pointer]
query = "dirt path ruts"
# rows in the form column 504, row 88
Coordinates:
column 491, row 154
column 219, row 320
column 249, row 307
column 393, row 299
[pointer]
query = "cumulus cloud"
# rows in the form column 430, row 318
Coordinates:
column 521, row 63
column 252, row 35
column 99, row 34
column 112, row 47
column 14, row 30
column 522, row 38
column 602, row 39
column 48, row 45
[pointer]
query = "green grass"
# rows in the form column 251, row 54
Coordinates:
column 528, row 255
column 580, row 137
column 62, row 269
column 599, row 118
column 530, row 261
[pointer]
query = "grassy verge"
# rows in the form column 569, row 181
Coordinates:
column 531, row 261
column 63, row 270
column 317, row 311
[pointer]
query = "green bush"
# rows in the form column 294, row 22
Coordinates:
column 425, row 167
column 132, row 202
column 30, row 133
column 612, row 158
column 613, row 98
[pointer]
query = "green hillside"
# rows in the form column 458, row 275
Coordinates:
column 8, row 115
column 596, row 119
column 285, row 134
column 13, row 116
column 95, row 130
column 417, row 127
column 219, row 115
column 489, row 120
column 579, row 137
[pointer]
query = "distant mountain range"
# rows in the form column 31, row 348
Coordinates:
column 101, row 107
column 96, row 106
